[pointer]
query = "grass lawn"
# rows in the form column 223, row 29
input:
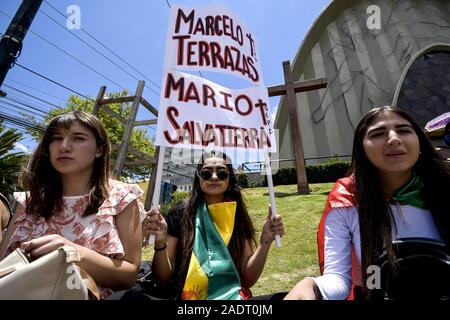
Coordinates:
column 297, row 257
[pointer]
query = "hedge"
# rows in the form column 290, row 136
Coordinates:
column 320, row 173
column 242, row 180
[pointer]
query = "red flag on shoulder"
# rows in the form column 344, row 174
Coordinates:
column 341, row 196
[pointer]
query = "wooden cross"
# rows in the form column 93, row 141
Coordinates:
column 290, row 88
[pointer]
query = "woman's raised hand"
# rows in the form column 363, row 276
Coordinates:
column 271, row 227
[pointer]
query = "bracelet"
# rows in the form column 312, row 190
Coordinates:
column 162, row 248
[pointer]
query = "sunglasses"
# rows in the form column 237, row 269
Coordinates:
column 206, row 174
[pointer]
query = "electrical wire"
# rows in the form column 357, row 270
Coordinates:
column 106, row 47
column 26, row 105
column 53, row 81
column 93, row 48
column 21, row 107
column 32, row 96
column 70, row 55
column 35, row 89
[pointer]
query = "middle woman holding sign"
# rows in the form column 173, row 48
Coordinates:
column 205, row 248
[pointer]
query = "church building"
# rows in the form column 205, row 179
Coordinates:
column 372, row 53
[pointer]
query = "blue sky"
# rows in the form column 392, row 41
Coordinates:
column 136, row 31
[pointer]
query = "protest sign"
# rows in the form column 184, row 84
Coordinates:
column 211, row 38
column 197, row 113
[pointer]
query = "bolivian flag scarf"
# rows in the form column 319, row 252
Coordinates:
column 411, row 193
column 212, row 274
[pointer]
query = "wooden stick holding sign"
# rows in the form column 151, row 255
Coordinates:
column 157, row 190
column 273, row 205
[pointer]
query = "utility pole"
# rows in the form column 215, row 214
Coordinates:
column 11, row 42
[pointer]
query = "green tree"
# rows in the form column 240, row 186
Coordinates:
column 139, row 139
column 242, row 180
column 10, row 162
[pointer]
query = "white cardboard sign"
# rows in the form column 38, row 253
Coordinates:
column 198, row 113
column 212, row 38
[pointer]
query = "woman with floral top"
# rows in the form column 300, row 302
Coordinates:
column 71, row 201
column 5, row 214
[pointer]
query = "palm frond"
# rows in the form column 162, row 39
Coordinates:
column 10, row 162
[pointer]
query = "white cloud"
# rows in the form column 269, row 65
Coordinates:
column 22, row 147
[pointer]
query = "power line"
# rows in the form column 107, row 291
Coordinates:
column 104, row 46
column 15, row 127
column 28, row 100
column 29, row 106
column 70, row 55
column 30, row 95
column 14, row 108
column 12, row 122
column 21, row 122
column 9, row 105
column 26, row 105
column 78, row 60
column 168, row 4
column 24, row 99
column 44, row 77
column 53, row 81
column 30, row 87
column 90, row 46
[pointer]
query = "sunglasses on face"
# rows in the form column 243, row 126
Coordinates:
column 206, row 174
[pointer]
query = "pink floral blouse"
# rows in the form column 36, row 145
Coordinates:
column 97, row 232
